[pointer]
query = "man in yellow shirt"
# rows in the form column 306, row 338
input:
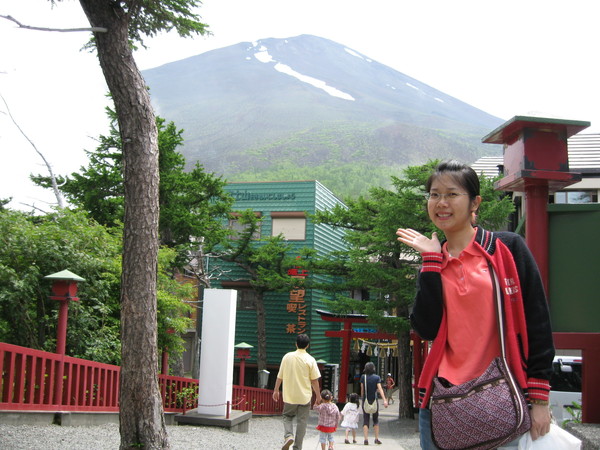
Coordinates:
column 300, row 376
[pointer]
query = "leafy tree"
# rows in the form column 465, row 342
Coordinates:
column 33, row 247
column 173, row 311
column 266, row 262
column 378, row 263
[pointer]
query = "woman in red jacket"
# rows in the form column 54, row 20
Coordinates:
column 455, row 307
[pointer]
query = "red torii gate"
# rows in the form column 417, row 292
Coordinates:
column 347, row 334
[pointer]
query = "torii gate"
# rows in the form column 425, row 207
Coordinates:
column 347, row 334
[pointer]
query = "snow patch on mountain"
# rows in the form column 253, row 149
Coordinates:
column 263, row 56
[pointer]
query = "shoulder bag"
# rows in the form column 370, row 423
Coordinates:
column 483, row 413
column 369, row 408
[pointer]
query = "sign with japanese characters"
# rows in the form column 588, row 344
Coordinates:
column 296, row 305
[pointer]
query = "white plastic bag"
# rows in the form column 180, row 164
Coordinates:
column 556, row 439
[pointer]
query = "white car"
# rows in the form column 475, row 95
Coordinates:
column 565, row 386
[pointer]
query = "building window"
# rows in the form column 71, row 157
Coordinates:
column 291, row 225
column 246, row 296
column 234, row 224
column 246, row 299
column 575, row 197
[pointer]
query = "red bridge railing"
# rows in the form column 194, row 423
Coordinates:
column 29, row 382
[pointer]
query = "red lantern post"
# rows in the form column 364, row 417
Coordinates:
column 243, row 353
column 536, row 162
column 64, row 289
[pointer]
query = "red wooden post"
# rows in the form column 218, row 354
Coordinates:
column 589, row 343
column 242, row 352
column 164, row 363
column 417, row 364
column 345, row 363
column 536, row 225
column 64, row 289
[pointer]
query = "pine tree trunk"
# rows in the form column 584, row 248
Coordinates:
column 405, row 394
column 261, row 331
column 141, row 413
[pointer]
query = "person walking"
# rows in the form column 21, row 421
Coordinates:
column 300, row 375
column 370, row 387
column 329, row 417
column 455, row 301
column 350, row 415
column 389, row 388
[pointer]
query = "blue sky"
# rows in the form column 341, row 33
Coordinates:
column 507, row 58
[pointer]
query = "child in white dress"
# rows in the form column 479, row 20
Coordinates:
column 350, row 417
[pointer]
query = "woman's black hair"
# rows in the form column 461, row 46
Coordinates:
column 464, row 175
column 353, row 398
column 326, row 394
column 369, row 368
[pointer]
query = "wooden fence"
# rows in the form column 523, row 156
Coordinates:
column 33, row 380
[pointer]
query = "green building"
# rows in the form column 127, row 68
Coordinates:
column 284, row 208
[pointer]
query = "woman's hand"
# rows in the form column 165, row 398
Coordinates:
column 418, row 241
column 540, row 421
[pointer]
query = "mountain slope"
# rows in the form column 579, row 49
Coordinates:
column 306, row 105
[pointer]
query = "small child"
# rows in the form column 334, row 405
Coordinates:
column 350, row 414
column 329, row 417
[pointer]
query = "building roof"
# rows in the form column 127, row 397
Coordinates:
column 584, row 152
column 584, row 156
column 488, row 165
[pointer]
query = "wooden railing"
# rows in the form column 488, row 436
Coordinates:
column 33, row 380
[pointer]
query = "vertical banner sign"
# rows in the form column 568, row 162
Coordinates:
column 296, row 304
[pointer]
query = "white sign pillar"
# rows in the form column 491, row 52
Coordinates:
column 215, row 384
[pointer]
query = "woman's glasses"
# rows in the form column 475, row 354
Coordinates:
column 449, row 196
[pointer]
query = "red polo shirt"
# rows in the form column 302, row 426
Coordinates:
column 471, row 315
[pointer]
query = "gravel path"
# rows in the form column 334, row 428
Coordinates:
column 265, row 433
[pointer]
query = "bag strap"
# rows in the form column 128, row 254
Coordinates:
column 499, row 309
column 512, row 383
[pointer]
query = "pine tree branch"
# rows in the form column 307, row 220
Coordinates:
column 60, row 30
column 55, row 189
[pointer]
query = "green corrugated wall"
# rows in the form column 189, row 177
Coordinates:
column 306, row 196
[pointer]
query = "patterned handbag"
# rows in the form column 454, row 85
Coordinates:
column 483, row 413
